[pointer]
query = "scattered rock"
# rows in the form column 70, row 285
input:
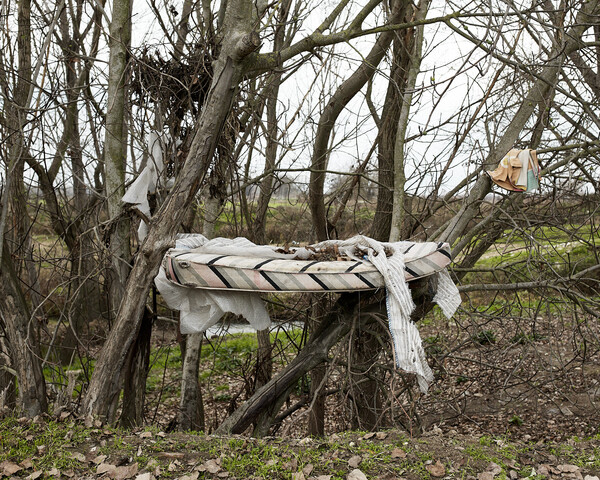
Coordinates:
column 590, row 477
column 146, row 435
column 368, row 436
column 298, row 476
column 437, row 469
column 356, row 474
column 381, row 435
column 354, row 461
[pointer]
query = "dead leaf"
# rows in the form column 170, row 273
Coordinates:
column 291, row 465
column 485, row 476
column 69, row 473
column 9, row 468
column 99, row 459
column 145, row 476
column 212, row 466
column 437, row 469
column 223, row 474
column 398, row 453
column 543, row 469
column 381, row 435
column 354, row 461
column 80, row 457
column 35, row 475
column 298, row 476
column 308, row 468
column 146, row 435
column 321, row 477
column 356, row 474
column 125, row 472
column 105, row 468
column 271, row 462
column 494, row 468
column 193, row 476
column 369, row 436
column 568, row 468
column 53, row 472
column 171, row 455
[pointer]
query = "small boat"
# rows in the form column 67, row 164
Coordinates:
column 197, row 269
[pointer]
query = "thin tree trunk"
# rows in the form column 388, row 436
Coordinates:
column 264, row 360
column 115, row 147
column 23, row 342
column 22, row 330
column 191, row 406
column 414, row 61
column 316, row 415
column 137, row 365
column 339, row 100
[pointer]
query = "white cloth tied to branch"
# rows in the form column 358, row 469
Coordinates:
column 146, row 182
column 200, row 309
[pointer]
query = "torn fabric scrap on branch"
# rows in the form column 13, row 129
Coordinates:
column 518, row 171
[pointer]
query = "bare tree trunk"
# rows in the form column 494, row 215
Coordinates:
column 264, row 360
column 137, row 365
column 191, row 406
column 22, row 330
column 115, row 147
column 316, row 415
column 8, row 379
column 23, row 342
column 339, row 100
column 237, row 45
column 414, row 67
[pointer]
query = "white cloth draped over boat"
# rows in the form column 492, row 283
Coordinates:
column 202, row 307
